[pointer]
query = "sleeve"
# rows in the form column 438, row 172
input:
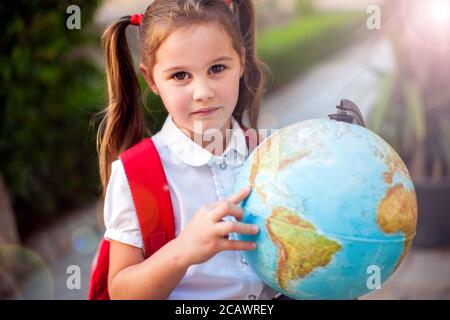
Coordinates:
column 119, row 213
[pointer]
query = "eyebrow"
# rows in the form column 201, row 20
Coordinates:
column 172, row 69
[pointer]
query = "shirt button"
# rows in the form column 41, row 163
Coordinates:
column 243, row 261
column 223, row 166
column 252, row 297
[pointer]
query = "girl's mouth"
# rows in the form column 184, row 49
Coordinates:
column 205, row 111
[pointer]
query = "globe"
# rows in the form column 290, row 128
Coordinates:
column 335, row 206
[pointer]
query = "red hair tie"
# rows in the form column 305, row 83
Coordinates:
column 136, row 19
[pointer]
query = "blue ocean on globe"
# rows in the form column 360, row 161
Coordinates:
column 335, row 206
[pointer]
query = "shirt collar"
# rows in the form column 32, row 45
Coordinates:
column 193, row 154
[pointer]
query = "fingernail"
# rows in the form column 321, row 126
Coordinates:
column 254, row 228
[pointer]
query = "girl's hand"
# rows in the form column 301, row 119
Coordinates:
column 207, row 233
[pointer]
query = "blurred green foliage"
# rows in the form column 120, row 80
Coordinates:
column 304, row 6
column 49, row 92
column 291, row 49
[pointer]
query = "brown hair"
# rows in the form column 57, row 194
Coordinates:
column 123, row 124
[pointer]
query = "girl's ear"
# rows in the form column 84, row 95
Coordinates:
column 242, row 60
column 148, row 78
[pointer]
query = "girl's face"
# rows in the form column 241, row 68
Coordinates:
column 197, row 74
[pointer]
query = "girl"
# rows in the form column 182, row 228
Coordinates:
column 199, row 56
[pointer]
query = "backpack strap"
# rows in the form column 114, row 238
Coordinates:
column 150, row 192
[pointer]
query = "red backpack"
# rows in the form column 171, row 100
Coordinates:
column 153, row 206
column 150, row 192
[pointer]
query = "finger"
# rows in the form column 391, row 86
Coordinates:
column 237, row 245
column 226, row 208
column 241, row 195
column 237, row 227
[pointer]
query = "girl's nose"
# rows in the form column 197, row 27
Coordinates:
column 202, row 91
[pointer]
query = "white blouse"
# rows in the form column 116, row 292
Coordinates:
column 195, row 177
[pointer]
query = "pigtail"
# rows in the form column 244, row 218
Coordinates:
column 122, row 124
column 251, row 87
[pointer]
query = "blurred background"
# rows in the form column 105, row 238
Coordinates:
column 392, row 58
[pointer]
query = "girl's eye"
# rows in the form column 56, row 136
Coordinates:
column 180, row 76
column 217, row 68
